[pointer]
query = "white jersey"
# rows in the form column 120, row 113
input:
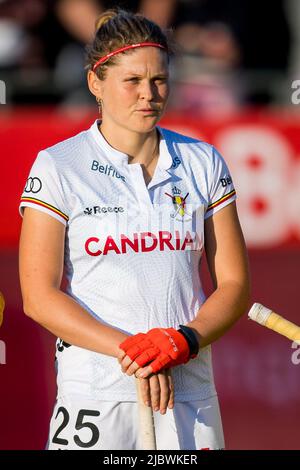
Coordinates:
column 132, row 251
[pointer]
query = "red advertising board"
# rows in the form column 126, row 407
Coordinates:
column 261, row 149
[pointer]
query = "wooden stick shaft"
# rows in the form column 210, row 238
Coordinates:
column 146, row 422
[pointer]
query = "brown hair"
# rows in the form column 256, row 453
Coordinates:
column 118, row 28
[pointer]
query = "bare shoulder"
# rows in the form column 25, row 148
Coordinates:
column 226, row 220
column 225, row 246
column 39, row 224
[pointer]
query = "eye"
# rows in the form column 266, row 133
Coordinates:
column 132, row 79
column 160, row 79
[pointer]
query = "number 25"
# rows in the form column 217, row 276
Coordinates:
column 79, row 425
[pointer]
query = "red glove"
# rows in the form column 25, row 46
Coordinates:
column 166, row 347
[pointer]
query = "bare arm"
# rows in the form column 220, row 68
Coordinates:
column 41, row 268
column 227, row 260
column 228, row 265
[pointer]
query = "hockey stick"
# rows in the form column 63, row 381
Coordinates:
column 266, row 317
column 146, row 422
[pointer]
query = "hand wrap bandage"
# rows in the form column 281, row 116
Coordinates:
column 166, row 347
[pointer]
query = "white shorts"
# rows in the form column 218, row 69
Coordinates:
column 80, row 424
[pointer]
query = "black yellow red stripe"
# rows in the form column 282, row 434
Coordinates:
column 221, row 200
column 46, row 205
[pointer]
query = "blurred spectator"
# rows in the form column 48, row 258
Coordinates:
column 18, row 21
column 50, row 36
column 77, row 17
column 231, row 52
column 251, row 38
column 293, row 9
column 12, row 42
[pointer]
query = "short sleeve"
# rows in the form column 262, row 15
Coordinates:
column 221, row 188
column 43, row 189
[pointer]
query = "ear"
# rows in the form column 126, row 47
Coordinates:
column 94, row 84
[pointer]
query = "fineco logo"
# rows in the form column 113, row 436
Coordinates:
column 106, row 170
column 102, row 210
column 143, row 242
column 33, row 185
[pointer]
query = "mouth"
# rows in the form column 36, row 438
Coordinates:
column 148, row 111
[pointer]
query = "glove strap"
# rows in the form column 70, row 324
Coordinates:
column 191, row 338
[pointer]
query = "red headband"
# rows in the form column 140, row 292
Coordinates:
column 125, row 48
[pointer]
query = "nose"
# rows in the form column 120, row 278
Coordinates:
column 146, row 91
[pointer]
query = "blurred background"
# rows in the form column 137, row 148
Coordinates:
column 235, row 80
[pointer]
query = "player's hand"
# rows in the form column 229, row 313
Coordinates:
column 158, row 391
column 160, row 348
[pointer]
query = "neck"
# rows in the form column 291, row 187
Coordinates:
column 140, row 148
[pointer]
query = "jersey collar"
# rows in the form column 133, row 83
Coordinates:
column 110, row 151
column 164, row 162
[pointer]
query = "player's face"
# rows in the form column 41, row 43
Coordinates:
column 135, row 91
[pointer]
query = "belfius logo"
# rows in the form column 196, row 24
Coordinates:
column 143, row 242
column 107, row 170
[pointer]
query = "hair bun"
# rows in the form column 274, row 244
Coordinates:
column 104, row 18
